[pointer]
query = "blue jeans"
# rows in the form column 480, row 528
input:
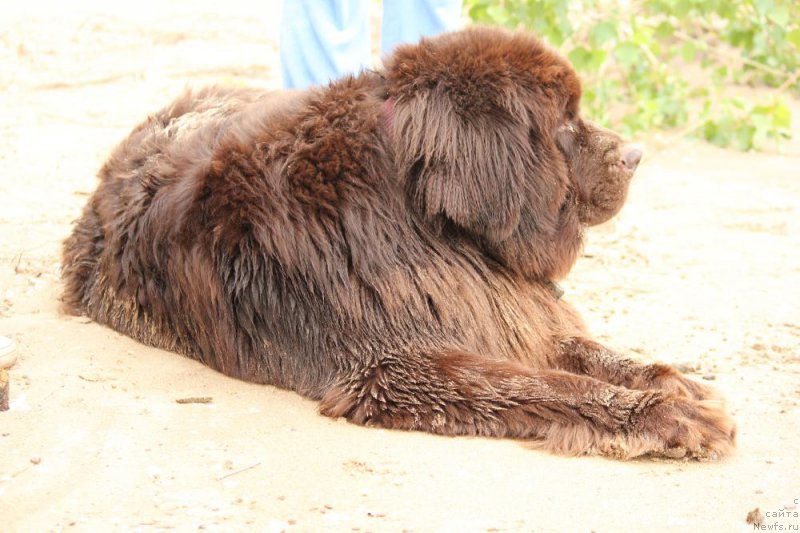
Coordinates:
column 322, row 40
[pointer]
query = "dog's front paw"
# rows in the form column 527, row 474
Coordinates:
column 668, row 379
column 682, row 428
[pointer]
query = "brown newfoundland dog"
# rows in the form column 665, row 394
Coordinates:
column 388, row 245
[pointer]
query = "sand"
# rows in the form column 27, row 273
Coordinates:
column 702, row 269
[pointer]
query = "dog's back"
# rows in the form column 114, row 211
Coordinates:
column 135, row 260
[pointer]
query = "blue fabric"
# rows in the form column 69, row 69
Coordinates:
column 322, row 40
column 405, row 21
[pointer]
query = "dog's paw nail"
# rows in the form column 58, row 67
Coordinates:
column 675, row 453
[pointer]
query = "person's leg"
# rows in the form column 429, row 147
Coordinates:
column 405, row 21
column 322, row 40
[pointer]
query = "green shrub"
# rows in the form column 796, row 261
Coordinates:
column 664, row 64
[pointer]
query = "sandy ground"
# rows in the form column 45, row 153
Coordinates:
column 702, row 269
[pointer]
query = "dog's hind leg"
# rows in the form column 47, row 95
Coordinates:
column 79, row 257
column 456, row 393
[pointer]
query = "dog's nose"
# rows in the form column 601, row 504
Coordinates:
column 631, row 155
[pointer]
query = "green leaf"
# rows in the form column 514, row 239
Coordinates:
column 598, row 58
column 498, row 15
column 628, row 54
column 762, row 122
column 478, row 13
column 602, row 33
column 794, row 37
column 742, row 37
column 715, row 134
column 688, row 51
column 681, row 8
column 665, row 30
column 764, row 6
column 744, row 137
column 781, row 116
column 580, row 58
column 779, row 15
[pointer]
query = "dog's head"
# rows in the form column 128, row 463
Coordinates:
column 489, row 137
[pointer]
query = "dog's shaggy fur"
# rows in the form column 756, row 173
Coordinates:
column 388, row 245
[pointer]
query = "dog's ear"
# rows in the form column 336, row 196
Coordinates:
column 473, row 137
column 464, row 169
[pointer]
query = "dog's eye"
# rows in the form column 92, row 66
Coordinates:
column 568, row 200
column 567, row 138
